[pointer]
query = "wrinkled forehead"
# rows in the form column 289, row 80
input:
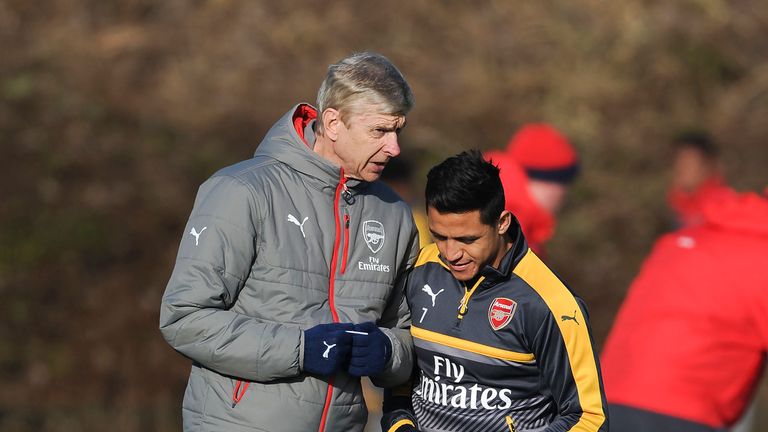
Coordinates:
column 365, row 106
column 393, row 120
column 373, row 117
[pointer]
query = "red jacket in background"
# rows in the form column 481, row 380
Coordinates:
column 690, row 338
column 537, row 224
column 689, row 206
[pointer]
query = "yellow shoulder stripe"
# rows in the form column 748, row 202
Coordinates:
column 472, row 347
column 576, row 337
column 429, row 254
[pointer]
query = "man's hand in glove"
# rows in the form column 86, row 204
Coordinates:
column 326, row 348
column 370, row 352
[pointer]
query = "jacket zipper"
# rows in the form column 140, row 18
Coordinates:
column 346, row 243
column 334, row 263
column 511, row 424
column 464, row 303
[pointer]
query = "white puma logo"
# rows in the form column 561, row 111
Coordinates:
column 292, row 219
column 197, row 234
column 428, row 289
column 327, row 349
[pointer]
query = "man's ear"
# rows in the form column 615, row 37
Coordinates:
column 505, row 221
column 331, row 119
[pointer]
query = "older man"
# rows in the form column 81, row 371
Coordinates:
column 286, row 287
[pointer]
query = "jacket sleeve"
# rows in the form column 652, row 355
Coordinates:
column 396, row 322
column 214, row 259
column 570, row 370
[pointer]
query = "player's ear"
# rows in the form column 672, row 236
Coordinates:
column 505, row 220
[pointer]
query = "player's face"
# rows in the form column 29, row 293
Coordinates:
column 691, row 168
column 366, row 142
column 465, row 243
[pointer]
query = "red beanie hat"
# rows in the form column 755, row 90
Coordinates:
column 544, row 153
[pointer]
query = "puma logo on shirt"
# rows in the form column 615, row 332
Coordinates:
column 572, row 318
column 428, row 289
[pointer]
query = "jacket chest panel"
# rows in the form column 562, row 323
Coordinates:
column 297, row 233
column 368, row 246
column 461, row 357
column 494, row 316
column 298, row 239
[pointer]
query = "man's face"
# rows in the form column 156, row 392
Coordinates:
column 549, row 195
column 691, row 168
column 465, row 243
column 366, row 142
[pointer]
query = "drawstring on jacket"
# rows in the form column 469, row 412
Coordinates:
column 237, row 395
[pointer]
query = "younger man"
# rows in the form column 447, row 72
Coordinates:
column 501, row 343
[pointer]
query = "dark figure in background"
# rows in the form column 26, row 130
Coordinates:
column 697, row 176
column 287, row 285
column 501, row 343
column 399, row 176
column 687, row 349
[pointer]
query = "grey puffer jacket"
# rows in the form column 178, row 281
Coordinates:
column 275, row 245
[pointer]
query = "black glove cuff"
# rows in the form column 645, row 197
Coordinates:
column 398, row 421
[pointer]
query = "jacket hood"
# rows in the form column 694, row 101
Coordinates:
column 747, row 212
column 291, row 140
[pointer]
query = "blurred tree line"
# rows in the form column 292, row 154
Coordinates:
column 113, row 111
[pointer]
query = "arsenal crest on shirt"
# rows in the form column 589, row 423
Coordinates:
column 501, row 311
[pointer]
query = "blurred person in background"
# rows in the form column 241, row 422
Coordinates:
column 399, row 176
column 697, row 176
column 688, row 345
column 518, row 355
column 537, row 168
column 287, row 285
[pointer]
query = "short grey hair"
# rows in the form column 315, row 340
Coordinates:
column 363, row 79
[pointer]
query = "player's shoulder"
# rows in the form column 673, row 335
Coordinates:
column 543, row 288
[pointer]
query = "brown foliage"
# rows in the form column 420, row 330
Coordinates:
column 113, row 112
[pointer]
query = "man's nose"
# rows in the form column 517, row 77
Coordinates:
column 452, row 251
column 392, row 146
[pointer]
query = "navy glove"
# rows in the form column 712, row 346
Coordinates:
column 326, row 348
column 371, row 352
